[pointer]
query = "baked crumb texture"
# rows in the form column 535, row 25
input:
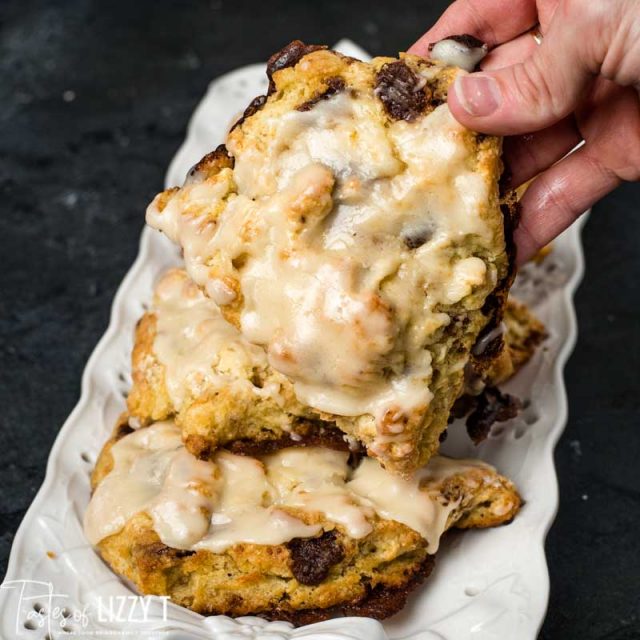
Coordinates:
column 304, row 579
column 355, row 236
column 190, row 365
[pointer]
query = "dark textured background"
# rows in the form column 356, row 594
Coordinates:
column 95, row 99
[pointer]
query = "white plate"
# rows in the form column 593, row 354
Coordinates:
column 487, row 584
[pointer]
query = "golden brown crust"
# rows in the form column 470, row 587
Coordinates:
column 211, row 164
column 301, row 77
column 258, row 579
column 379, row 602
column 367, row 576
column 148, row 399
column 524, row 335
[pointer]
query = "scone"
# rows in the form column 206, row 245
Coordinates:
column 304, row 534
column 353, row 229
column 190, row 365
column 523, row 335
column 514, row 342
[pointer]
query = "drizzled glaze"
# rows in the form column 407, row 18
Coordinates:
column 199, row 349
column 247, row 511
column 459, row 51
column 233, row 499
column 153, row 472
column 344, row 297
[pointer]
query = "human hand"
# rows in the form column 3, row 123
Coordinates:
column 581, row 83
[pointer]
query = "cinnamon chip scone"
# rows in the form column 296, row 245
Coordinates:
column 303, row 534
column 353, row 230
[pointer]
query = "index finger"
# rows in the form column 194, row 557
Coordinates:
column 492, row 21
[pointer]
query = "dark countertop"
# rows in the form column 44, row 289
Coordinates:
column 95, row 99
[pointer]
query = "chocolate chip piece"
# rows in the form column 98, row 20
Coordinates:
column 288, row 57
column 312, row 558
column 491, row 307
column 491, row 406
column 490, row 341
column 123, row 430
column 414, row 238
column 215, row 159
column 462, row 406
column 254, row 106
column 493, row 349
column 306, row 434
column 400, row 92
column 378, row 602
column 334, row 85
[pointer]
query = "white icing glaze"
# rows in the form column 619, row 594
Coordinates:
column 198, row 348
column 410, row 502
column 458, row 54
column 246, row 511
column 341, row 304
column 153, row 472
column 233, row 499
column 315, row 480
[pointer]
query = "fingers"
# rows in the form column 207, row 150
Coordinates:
column 611, row 120
column 527, row 96
column 488, row 20
column 559, row 196
column 526, row 156
column 512, row 52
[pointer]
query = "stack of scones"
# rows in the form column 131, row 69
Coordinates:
column 344, row 296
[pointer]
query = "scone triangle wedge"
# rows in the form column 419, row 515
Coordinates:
column 354, row 232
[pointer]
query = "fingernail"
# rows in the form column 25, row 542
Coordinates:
column 479, row 95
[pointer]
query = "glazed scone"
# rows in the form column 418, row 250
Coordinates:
column 190, row 365
column 352, row 228
column 299, row 535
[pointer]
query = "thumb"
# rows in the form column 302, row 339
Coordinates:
column 524, row 97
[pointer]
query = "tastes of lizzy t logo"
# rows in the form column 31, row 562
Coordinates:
column 39, row 606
